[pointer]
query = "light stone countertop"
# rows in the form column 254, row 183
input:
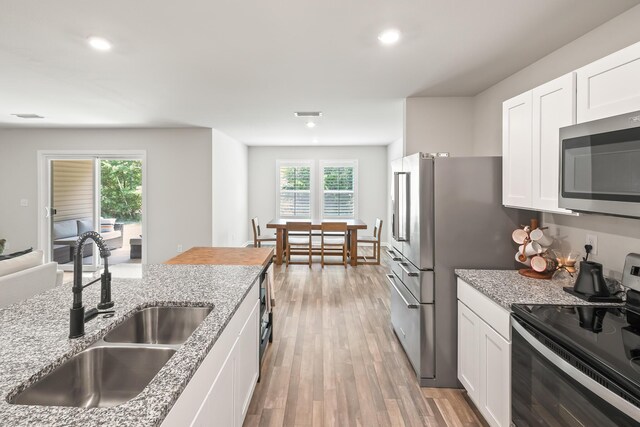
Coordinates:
column 34, row 340
column 507, row 287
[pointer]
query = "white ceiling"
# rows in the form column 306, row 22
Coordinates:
column 244, row 67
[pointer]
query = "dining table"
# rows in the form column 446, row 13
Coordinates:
column 353, row 225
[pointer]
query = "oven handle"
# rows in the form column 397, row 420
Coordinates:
column 392, row 280
column 604, row 393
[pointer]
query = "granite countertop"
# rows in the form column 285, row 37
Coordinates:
column 508, row 287
column 34, row 340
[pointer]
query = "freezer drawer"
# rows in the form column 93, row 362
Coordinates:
column 413, row 325
column 420, row 283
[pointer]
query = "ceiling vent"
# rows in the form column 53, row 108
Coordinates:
column 308, row 114
column 28, row 116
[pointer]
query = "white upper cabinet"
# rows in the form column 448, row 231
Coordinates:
column 516, row 151
column 531, row 144
column 554, row 106
column 609, row 86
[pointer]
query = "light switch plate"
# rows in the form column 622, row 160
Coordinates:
column 24, row 202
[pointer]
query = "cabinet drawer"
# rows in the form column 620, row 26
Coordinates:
column 488, row 310
column 405, row 318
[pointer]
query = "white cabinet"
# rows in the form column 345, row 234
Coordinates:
column 495, row 377
column 247, row 363
column 531, row 144
column 516, row 151
column 220, row 391
column 554, row 106
column 484, row 354
column 609, row 86
column 468, row 351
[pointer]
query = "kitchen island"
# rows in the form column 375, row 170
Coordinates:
column 35, row 340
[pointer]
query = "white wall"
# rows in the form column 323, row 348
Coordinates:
column 178, row 182
column 230, row 191
column 372, row 178
column 439, row 124
column 616, row 236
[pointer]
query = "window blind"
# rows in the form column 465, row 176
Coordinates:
column 338, row 195
column 295, row 191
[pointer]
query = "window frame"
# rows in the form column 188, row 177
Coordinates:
column 312, row 186
column 337, row 163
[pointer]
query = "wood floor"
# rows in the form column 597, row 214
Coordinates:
column 335, row 360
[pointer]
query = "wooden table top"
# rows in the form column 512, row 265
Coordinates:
column 224, row 256
column 353, row 224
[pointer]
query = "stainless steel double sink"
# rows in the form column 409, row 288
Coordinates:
column 119, row 366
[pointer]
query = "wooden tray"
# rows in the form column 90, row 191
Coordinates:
column 528, row 272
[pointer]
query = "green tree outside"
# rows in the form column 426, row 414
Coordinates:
column 121, row 190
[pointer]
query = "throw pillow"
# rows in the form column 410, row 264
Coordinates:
column 84, row 225
column 107, row 224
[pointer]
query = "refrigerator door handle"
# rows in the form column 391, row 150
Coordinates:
column 404, row 266
column 392, row 281
column 392, row 255
column 401, row 208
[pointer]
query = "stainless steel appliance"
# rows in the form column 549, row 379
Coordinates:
column 578, row 365
column 447, row 214
column 600, row 166
column 266, row 316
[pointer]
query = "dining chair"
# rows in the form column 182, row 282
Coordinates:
column 258, row 238
column 375, row 241
column 299, row 243
column 334, row 243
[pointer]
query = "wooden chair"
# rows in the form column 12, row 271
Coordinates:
column 375, row 241
column 334, row 243
column 259, row 239
column 299, row 243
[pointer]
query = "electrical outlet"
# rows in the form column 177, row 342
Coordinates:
column 24, row 202
column 179, row 248
column 592, row 240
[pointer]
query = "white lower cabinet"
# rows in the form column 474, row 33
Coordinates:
column 484, row 354
column 220, row 391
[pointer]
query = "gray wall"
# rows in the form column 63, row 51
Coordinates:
column 439, row 124
column 372, row 178
column 178, row 182
column 616, row 236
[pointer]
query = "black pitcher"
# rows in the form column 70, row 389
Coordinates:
column 590, row 280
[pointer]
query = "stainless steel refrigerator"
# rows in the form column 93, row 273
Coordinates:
column 447, row 214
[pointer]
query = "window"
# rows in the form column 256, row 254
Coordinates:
column 339, row 186
column 294, row 189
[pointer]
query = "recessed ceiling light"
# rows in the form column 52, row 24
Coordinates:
column 308, row 113
column 390, row 36
column 28, row 116
column 99, row 43
column 311, row 125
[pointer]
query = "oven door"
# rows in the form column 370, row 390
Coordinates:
column 600, row 172
column 547, row 390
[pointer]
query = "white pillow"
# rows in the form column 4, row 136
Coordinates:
column 13, row 265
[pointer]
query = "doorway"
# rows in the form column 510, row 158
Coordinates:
column 101, row 192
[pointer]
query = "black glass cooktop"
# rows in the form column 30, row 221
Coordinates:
column 607, row 336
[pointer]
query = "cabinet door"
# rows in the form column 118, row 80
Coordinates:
column 247, row 349
column 468, row 351
column 218, row 407
column 516, row 151
column 495, row 377
column 609, row 86
column 553, row 108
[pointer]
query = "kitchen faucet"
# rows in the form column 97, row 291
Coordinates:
column 77, row 312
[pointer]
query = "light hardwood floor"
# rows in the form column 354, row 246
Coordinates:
column 335, row 360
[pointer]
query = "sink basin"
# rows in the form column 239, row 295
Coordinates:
column 159, row 325
column 97, row 377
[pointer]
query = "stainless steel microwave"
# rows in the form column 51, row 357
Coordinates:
column 600, row 166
